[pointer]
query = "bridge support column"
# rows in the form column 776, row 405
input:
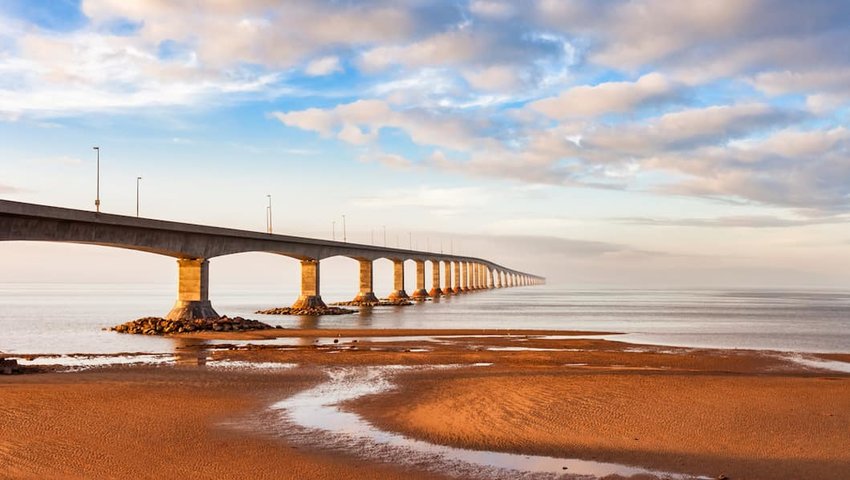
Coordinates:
column 490, row 281
column 447, row 283
column 473, row 276
column 366, row 293
column 398, row 292
column 310, row 296
column 420, row 293
column 435, row 279
column 456, row 267
column 464, row 277
column 193, row 290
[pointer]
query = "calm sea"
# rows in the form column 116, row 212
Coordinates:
column 64, row 318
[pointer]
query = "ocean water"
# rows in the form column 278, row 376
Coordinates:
column 70, row 318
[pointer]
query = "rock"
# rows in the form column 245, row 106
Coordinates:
column 162, row 326
column 312, row 311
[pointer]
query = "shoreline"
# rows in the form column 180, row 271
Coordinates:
column 522, row 398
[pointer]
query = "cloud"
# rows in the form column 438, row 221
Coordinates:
column 388, row 159
column 738, row 100
column 323, row 66
column 735, row 221
column 609, row 97
column 705, row 40
column 686, row 129
column 359, row 122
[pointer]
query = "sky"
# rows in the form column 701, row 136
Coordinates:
column 620, row 143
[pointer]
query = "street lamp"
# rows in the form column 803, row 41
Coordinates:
column 333, row 230
column 344, row 237
column 138, row 181
column 97, row 198
column 269, row 215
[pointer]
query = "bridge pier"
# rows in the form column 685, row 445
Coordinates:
column 398, row 292
column 490, row 282
column 193, row 290
column 366, row 293
column 456, row 267
column 464, row 277
column 420, row 293
column 447, row 283
column 310, row 297
column 435, row 279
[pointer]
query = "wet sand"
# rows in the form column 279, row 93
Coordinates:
column 710, row 412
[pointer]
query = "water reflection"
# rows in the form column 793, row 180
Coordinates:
column 191, row 351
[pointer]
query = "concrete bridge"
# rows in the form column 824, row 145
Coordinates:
column 194, row 245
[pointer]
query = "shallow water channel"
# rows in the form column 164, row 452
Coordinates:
column 319, row 419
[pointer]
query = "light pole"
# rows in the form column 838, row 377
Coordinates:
column 333, row 230
column 138, row 181
column 97, row 198
column 269, row 210
column 344, row 237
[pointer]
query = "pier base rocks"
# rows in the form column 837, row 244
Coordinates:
column 164, row 326
column 307, row 311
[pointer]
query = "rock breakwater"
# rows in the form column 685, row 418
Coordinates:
column 401, row 302
column 311, row 311
column 163, row 326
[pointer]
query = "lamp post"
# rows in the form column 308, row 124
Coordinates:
column 344, row 237
column 138, row 181
column 333, row 230
column 269, row 211
column 97, row 198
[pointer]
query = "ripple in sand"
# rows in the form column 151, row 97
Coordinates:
column 315, row 417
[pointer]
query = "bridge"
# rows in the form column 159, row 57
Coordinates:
column 194, row 245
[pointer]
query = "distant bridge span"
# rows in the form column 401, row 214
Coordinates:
column 194, row 245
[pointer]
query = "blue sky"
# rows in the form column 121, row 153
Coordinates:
column 622, row 142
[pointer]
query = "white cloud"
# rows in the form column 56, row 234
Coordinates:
column 323, row 66
column 358, row 122
column 496, row 77
column 493, row 8
column 609, row 97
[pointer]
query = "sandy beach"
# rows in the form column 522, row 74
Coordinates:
column 741, row 414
